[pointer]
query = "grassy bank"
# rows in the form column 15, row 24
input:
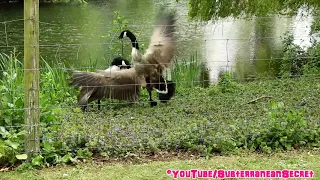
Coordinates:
column 263, row 115
column 56, row 97
column 307, row 160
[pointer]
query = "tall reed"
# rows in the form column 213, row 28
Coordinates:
column 187, row 72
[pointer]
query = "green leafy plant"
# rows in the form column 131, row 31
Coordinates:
column 10, row 146
column 119, row 24
column 227, row 84
column 284, row 129
column 54, row 90
column 294, row 58
column 207, row 9
column 297, row 61
column 11, row 90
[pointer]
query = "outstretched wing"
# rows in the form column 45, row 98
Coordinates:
column 162, row 41
column 121, row 85
column 88, row 79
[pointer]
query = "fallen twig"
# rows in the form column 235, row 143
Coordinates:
column 261, row 97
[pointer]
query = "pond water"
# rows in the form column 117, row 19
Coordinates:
column 73, row 34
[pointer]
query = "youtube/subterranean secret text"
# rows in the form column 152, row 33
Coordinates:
column 223, row 174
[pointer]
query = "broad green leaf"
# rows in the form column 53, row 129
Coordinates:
column 37, row 161
column 14, row 145
column 47, row 147
column 67, row 158
column 21, row 156
column 50, row 118
column 2, row 88
column 3, row 131
column 19, row 102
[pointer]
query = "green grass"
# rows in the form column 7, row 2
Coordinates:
column 265, row 115
column 221, row 119
column 56, row 96
column 187, row 71
column 306, row 160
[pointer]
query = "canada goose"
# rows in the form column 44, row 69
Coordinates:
column 159, row 54
column 95, row 86
column 126, row 84
column 122, row 85
column 119, row 63
column 116, row 65
column 165, row 91
column 113, row 83
column 122, row 63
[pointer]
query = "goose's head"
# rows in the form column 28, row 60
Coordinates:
column 131, row 36
column 127, row 33
column 123, row 34
column 121, row 63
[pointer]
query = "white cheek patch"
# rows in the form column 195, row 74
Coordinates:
column 112, row 68
column 123, row 63
column 165, row 91
column 125, row 34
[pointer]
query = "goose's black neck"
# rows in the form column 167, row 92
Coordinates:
column 133, row 39
column 135, row 44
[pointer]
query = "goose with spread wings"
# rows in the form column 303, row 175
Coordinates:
column 126, row 84
column 158, row 56
column 117, row 64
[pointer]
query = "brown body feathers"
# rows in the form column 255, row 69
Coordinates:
column 121, row 85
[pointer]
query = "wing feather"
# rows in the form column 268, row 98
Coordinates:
column 121, row 85
column 163, row 40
